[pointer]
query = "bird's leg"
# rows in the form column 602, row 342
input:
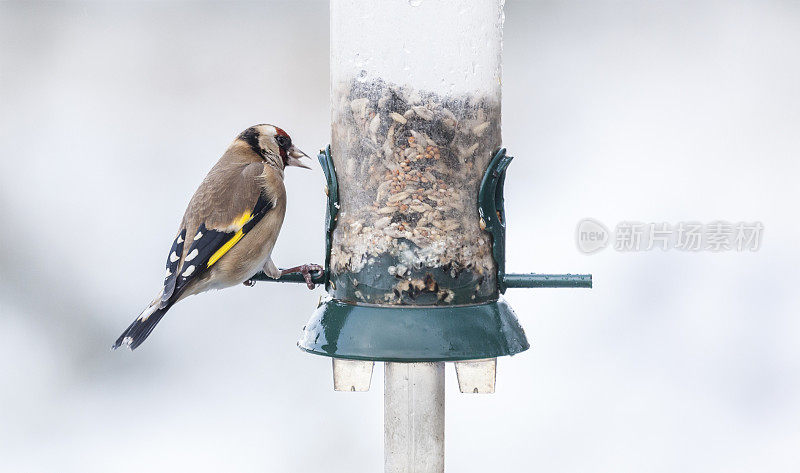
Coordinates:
column 305, row 270
column 269, row 269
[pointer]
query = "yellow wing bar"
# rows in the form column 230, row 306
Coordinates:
column 246, row 217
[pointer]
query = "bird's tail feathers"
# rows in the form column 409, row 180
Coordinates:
column 140, row 329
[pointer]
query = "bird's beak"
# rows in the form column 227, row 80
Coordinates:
column 298, row 158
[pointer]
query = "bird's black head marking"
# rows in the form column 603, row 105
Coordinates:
column 250, row 136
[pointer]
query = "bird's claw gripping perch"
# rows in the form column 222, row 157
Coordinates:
column 305, row 270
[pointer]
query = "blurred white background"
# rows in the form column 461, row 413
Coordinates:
column 112, row 112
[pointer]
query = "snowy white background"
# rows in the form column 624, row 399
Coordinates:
column 112, row 112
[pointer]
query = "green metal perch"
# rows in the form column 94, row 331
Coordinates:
column 514, row 280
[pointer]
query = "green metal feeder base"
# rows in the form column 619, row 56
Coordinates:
column 413, row 334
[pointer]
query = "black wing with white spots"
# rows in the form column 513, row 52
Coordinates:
column 173, row 260
column 205, row 243
column 207, row 247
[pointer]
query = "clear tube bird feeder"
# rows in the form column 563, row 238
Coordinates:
column 415, row 230
column 415, row 97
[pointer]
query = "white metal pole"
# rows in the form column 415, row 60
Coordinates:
column 413, row 418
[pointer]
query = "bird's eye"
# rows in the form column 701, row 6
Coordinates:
column 283, row 141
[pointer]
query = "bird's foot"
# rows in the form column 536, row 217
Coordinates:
column 250, row 283
column 305, row 270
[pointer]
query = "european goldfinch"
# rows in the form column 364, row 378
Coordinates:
column 230, row 227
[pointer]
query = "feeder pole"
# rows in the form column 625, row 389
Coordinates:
column 413, row 417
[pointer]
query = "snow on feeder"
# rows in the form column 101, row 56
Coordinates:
column 415, row 232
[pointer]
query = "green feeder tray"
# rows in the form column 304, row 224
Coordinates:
column 422, row 333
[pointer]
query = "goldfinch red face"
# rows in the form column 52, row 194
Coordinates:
column 274, row 144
